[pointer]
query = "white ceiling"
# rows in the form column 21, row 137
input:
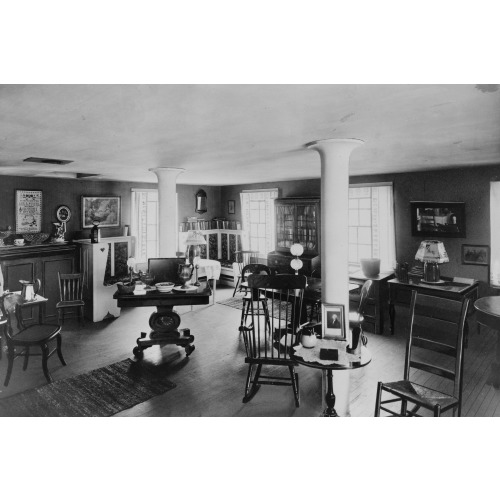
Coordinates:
column 234, row 134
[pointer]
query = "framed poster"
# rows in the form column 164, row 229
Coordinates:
column 477, row 255
column 230, row 207
column 104, row 209
column 437, row 219
column 28, row 211
column 333, row 321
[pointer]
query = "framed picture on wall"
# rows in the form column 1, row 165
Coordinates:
column 28, row 211
column 477, row 255
column 437, row 219
column 230, row 207
column 104, row 209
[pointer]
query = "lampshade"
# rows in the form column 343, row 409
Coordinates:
column 297, row 250
column 195, row 238
column 432, row 251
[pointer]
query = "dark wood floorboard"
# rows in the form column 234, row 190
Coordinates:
column 211, row 381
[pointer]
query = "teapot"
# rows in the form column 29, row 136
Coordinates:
column 30, row 288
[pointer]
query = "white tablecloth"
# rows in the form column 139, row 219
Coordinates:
column 211, row 269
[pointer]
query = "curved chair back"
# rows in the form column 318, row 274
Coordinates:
column 363, row 298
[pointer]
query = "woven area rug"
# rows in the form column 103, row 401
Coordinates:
column 99, row 393
column 237, row 303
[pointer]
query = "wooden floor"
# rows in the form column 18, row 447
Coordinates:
column 211, row 381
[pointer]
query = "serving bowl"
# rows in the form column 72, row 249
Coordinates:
column 125, row 287
column 36, row 238
column 166, row 286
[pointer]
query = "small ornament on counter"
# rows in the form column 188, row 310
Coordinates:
column 402, row 272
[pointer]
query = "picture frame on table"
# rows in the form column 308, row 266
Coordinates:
column 437, row 219
column 28, row 211
column 333, row 321
column 104, row 209
column 231, row 207
column 477, row 255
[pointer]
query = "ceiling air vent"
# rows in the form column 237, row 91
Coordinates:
column 84, row 176
column 52, row 161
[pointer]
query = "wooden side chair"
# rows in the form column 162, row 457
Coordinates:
column 243, row 258
column 253, row 295
column 70, row 295
column 27, row 337
column 271, row 345
column 436, row 346
column 356, row 318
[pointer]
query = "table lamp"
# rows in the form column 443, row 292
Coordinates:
column 296, row 250
column 193, row 242
column 431, row 253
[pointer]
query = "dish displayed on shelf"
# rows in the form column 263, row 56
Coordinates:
column 36, row 238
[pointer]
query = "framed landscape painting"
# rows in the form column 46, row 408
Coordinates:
column 477, row 255
column 103, row 209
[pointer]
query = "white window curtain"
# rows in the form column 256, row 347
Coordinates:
column 258, row 218
column 371, row 224
column 495, row 234
column 144, row 223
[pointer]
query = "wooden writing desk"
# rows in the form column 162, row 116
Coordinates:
column 374, row 312
column 400, row 293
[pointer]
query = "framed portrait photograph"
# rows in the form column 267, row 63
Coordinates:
column 28, row 211
column 477, row 255
column 104, row 209
column 437, row 219
column 333, row 321
column 231, row 207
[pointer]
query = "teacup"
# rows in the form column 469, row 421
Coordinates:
column 19, row 242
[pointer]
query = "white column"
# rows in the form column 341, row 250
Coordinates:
column 335, row 154
column 167, row 209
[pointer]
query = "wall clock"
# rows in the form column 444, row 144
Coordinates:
column 63, row 213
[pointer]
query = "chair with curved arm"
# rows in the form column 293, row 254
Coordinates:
column 27, row 337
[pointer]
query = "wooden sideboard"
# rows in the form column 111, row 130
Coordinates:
column 41, row 262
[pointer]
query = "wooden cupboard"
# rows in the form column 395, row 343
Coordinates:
column 38, row 262
column 297, row 221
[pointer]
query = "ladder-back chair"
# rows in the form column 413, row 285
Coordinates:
column 70, row 295
column 271, row 343
column 435, row 345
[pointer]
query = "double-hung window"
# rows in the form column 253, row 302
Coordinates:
column 371, row 225
column 257, row 207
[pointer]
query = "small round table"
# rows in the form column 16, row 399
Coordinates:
column 311, row 358
column 488, row 314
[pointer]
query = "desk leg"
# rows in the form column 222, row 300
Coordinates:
column 494, row 377
column 329, row 396
column 392, row 316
